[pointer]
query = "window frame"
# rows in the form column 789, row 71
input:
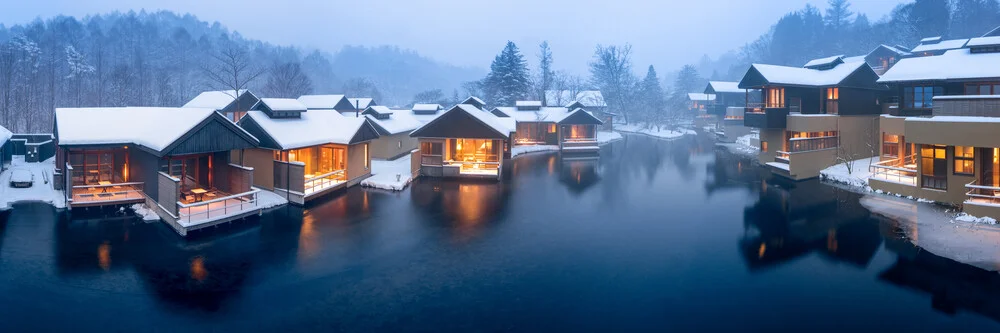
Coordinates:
column 965, row 158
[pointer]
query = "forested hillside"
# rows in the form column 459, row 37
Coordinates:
column 165, row 59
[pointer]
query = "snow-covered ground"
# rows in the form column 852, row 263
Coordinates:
column 663, row 133
column 520, row 150
column 858, row 177
column 144, row 212
column 40, row 191
column 605, row 137
column 267, row 199
column 937, row 229
column 384, row 174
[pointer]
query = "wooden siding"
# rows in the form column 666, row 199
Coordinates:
column 356, row 161
column 289, row 176
column 457, row 125
column 168, row 192
column 213, row 135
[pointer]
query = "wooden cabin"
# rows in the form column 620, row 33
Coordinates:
column 229, row 103
column 572, row 130
column 176, row 160
column 464, row 141
column 305, row 154
column 590, row 100
column 394, row 127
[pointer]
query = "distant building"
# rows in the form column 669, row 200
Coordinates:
column 229, row 103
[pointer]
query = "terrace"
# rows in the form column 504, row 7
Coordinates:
column 101, row 178
column 899, row 170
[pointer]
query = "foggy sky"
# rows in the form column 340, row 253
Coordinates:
column 664, row 33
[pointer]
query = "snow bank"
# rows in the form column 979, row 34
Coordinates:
column 963, row 217
column 267, row 199
column 520, row 150
column 384, row 174
column 605, row 137
column 146, row 213
column 651, row 131
column 40, row 191
column 858, row 178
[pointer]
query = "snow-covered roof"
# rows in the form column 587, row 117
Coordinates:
column 380, row 109
column 401, row 121
column 426, row 107
column 215, row 100
column 548, row 114
column 823, row 61
column 5, row 135
column 283, row 104
column 805, row 76
column 151, row 127
column 361, row 103
column 897, row 49
column 700, row 97
column 591, row 98
column 313, row 128
column 983, row 41
column 930, row 40
column 952, row 65
column 488, row 119
column 956, row 119
column 855, row 58
column 725, row 87
column 426, row 117
column 940, row 46
column 994, row 32
column 320, row 101
column 528, row 103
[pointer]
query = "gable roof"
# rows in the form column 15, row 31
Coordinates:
column 5, row 135
column 461, row 121
column 931, row 40
column 716, row 87
column 578, row 117
column 426, row 107
column 474, row 101
column 940, row 46
column 378, row 109
column 983, row 41
column 217, row 100
column 895, row 49
column 761, row 74
column 822, row 62
column 400, row 121
column 313, row 128
column 154, row 128
column 283, row 104
column 320, row 102
column 959, row 64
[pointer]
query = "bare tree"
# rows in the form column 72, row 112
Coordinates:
column 233, row 71
column 287, row 80
column 611, row 70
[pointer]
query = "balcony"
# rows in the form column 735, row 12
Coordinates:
column 969, row 106
column 901, row 171
column 107, row 193
column 761, row 117
column 195, row 213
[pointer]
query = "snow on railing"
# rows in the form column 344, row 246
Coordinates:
column 982, row 193
column 895, row 170
column 323, row 181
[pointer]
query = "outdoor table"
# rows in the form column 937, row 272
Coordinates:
column 104, row 184
column 199, row 194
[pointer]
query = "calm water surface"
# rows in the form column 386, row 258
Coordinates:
column 653, row 236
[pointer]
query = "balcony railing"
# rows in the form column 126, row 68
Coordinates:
column 205, row 211
column 434, row 160
column 762, row 117
column 797, row 145
column 477, row 168
column 982, row 194
column 903, row 171
column 107, row 193
column 781, row 156
column 320, row 182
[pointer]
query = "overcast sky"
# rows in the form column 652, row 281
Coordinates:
column 665, row 33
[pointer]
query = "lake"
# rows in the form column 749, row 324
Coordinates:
column 653, row 236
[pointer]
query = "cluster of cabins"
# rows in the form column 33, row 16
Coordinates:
column 930, row 118
column 222, row 155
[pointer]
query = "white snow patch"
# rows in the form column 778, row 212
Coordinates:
column 662, row 133
column 521, row 150
column 40, row 191
column 267, row 199
column 392, row 175
column 963, row 217
column 605, row 137
column 857, row 178
column 146, row 213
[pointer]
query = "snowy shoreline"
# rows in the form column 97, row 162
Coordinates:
column 662, row 134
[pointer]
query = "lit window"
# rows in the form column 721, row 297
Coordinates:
column 367, row 159
column 964, row 160
column 763, row 146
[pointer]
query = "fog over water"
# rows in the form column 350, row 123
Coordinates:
column 667, row 34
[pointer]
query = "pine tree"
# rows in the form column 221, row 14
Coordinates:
column 687, row 81
column 838, row 16
column 508, row 79
column 545, row 72
column 652, row 98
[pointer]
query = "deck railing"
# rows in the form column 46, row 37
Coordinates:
column 899, row 170
column 107, row 193
column 982, row 193
column 323, row 181
column 477, row 168
column 782, row 156
column 434, row 160
column 810, row 144
column 217, row 208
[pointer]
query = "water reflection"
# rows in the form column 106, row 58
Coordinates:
column 578, row 173
column 464, row 207
column 731, row 171
column 791, row 220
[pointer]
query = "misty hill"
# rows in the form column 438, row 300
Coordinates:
column 161, row 58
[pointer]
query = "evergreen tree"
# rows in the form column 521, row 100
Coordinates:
column 931, row 17
column 508, row 79
column 687, row 81
column 651, row 98
column 545, row 72
column 838, row 16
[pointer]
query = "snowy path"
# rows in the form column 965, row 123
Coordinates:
column 858, row 177
column 40, row 191
column 662, row 133
column 384, row 174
